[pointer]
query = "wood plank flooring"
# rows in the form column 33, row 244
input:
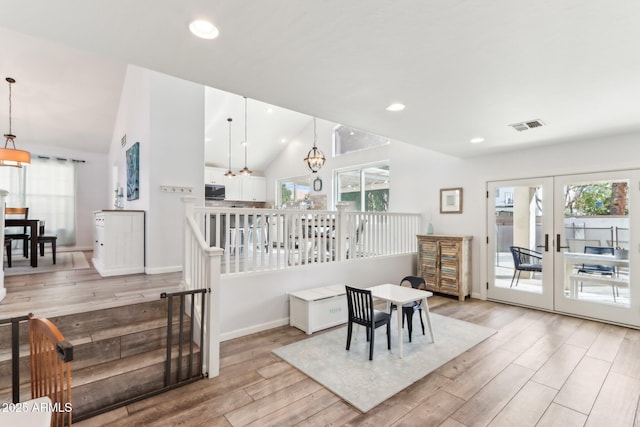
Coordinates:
column 539, row 369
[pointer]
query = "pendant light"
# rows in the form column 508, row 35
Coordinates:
column 229, row 173
column 245, row 170
column 315, row 158
column 12, row 156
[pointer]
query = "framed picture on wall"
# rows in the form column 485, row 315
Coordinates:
column 451, row 200
column 133, row 172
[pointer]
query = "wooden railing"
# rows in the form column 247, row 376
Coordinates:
column 271, row 239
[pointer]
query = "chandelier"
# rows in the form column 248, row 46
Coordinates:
column 12, row 156
column 315, row 158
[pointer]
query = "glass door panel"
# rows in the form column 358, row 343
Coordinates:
column 520, row 221
column 594, row 235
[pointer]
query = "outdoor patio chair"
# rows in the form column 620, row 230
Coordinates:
column 602, row 270
column 525, row 260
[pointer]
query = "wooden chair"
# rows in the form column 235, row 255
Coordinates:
column 24, row 236
column 51, row 368
column 42, row 239
column 361, row 312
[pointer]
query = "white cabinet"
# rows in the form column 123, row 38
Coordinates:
column 254, row 188
column 118, row 246
column 233, row 188
column 214, row 175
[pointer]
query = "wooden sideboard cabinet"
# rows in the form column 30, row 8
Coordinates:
column 118, row 246
column 444, row 261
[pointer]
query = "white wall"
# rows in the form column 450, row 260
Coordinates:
column 91, row 185
column 255, row 302
column 166, row 115
column 417, row 175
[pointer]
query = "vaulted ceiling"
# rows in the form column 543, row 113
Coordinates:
column 463, row 69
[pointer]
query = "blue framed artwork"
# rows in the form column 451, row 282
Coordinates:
column 133, row 172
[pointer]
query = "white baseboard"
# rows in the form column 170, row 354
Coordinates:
column 162, row 270
column 253, row 329
column 476, row 295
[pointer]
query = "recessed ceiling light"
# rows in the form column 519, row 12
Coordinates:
column 283, row 140
column 203, row 29
column 395, row 107
column 476, row 140
column 269, row 110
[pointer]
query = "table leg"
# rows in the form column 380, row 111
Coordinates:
column 399, row 313
column 425, row 310
column 34, row 245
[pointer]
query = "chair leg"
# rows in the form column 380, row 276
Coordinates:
column 409, row 315
column 421, row 321
column 41, row 249
column 53, row 250
column 513, row 278
column 373, row 336
column 389, row 335
column 8, row 250
column 349, row 330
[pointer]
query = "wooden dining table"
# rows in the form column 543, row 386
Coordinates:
column 33, row 225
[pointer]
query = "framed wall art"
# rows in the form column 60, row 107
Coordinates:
column 133, row 172
column 451, row 200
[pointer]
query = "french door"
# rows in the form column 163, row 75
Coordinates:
column 520, row 224
column 566, row 244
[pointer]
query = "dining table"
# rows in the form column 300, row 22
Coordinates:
column 400, row 295
column 33, row 240
column 574, row 259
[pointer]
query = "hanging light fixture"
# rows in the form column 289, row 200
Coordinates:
column 229, row 173
column 245, row 170
column 12, row 156
column 315, row 158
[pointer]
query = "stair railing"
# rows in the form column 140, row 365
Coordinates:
column 15, row 353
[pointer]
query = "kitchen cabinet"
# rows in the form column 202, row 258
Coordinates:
column 239, row 188
column 444, row 261
column 118, row 246
column 214, row 175
column 254, row 188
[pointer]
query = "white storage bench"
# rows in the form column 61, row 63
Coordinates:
column 319, row 308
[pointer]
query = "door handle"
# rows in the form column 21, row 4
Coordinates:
column 558, row 247
column 546, row 243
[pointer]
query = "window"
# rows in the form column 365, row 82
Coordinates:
column 294, row 190
column 47, row 188
column 347, row 140
column 367, row 187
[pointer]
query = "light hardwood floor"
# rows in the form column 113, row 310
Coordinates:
column 539, row 369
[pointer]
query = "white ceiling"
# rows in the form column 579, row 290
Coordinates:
column 463, row 68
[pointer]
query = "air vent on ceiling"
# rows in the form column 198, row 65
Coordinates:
column 529, row 124
column 123, row 140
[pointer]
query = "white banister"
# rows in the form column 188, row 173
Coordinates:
column 201, row 270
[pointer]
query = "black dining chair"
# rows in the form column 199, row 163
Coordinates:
column 42, row 239
column 409, row 308
column 525, row 260
column 361, row 312
column 20, row 213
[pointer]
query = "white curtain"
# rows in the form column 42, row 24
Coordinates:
column 48, row 188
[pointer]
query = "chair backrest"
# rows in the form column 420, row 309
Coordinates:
column 23, row 213
column 416, row 282
column 360, row 306
column 598, row 250
column 50, row 367
column 524, row 256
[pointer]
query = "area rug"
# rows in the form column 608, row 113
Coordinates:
column 365, row 384
column 64, row 261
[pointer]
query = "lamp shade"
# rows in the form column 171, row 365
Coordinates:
column 14, row 157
